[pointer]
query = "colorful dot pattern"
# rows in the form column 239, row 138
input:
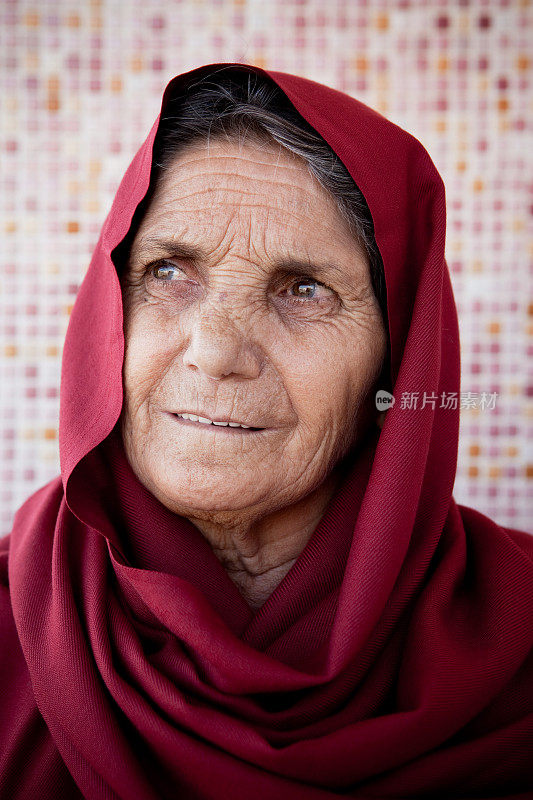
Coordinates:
column 80, row 85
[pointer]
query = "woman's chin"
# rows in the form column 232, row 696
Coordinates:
column 223, row 494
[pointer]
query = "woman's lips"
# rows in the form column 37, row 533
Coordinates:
column 211, row 427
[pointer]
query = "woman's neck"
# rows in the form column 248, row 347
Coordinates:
column 258, row 553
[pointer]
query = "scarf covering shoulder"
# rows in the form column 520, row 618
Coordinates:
column 394, row 660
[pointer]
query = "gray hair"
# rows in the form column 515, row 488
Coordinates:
column 236, row 103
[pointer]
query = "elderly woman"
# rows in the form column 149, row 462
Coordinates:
column 250, row 580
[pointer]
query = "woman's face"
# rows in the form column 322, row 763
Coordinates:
column 247, row 299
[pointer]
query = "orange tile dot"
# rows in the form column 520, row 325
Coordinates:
column 530, row 309
column 478, row 185
column 72, row 227
column 73, row 21
column 494, row 327
column 32, row 19
column 53, row 83
column 474, row 450
column 53, row 102
column 523, row 62
column 136, row 64
column 460, row 166
column 382, row 22
column 10, row 226
column 473, row 472
column 52, row 351
column 10, row 350
column 443, row 64
column 529, row 470
column 361, row 64
column 440, row 125
column 116, row 84
column 494, row 472
column 50, row 433
column 503, row 104
column 512, row 451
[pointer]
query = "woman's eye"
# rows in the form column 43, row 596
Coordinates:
column 165, row 271
column 308, row 288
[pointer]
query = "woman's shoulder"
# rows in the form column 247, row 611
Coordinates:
column 30, row 764
column 522, row 539
column 476, row 522
column 43, row 503
column 44, row 500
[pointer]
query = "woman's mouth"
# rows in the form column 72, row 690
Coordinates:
column 202, row 423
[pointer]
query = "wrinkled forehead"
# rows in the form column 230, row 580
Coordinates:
column 218, row 194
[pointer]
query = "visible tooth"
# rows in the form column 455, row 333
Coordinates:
column 206, row 421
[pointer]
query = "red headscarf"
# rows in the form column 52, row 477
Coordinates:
column 393, row 660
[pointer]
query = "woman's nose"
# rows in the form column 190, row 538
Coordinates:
column 217, row 348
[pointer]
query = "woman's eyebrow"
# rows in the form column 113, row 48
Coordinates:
column 175, row 248
column 153, row 245
column 327, row 270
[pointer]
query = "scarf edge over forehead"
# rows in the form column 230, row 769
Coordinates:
column 394, row 660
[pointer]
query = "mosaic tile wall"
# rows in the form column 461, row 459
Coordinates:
column 79, row 88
